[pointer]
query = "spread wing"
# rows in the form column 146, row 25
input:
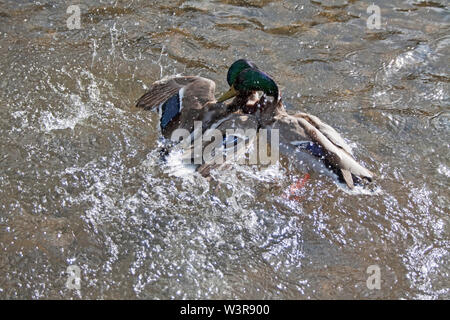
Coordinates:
column 328, row 131
column 335, row 150
column 179, row 99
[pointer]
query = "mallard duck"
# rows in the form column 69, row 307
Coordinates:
column 305, row 137
column 217, row 142
column 244, row 124
column 183, row 100
column 227, row 141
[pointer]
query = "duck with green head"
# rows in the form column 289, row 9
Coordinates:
column 246, row 83
column 237, row 132
column 183, row 100
column 302, row 137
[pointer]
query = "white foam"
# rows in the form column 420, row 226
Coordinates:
column 176, row 167
column 51, row 122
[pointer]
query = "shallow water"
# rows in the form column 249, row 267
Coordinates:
column 81, row 182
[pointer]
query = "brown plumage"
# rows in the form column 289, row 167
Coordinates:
column 305, row 129
column 183, row 100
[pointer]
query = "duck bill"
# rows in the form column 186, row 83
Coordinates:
column 228, row 95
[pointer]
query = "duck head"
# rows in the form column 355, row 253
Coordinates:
column 247, row 82
column 237, row 67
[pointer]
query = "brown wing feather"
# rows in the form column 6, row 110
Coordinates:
column 162, row 90
column 197, row 98
column 335, row 154
column 347, row 175
column 326, row 130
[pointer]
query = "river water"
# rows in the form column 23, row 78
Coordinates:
column 82, row 184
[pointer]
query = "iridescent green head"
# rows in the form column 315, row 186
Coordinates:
column 237, row 67
column 250, row 80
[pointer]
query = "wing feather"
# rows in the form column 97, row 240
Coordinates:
column 180, row 98
column 161, row 91
column 336, row 155
column 326, row 130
